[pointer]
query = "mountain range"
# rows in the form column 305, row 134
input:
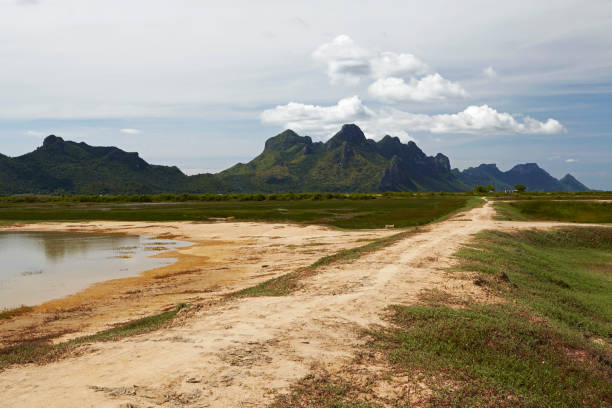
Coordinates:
column 348, row 162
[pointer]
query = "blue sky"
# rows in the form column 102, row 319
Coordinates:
column 202, row 84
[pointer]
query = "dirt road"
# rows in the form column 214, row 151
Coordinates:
column 242, row 352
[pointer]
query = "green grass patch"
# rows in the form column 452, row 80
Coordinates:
column 41, row 351
column 564, row 275
column 322, row 391
column 374, row 212
column 10, row 313
column 490, row 356
column 570, row 211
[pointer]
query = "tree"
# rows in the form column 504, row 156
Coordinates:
column 483, row 189
column 520, row 188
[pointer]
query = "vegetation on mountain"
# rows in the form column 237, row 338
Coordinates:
column 530, row 175
column 348, row 162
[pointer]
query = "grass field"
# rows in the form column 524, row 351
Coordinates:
column 374, row 212
column 543, row 210
column 549, row 345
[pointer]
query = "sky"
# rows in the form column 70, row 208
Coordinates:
column 203, row 84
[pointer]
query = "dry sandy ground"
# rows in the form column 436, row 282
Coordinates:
column 240, row 353
column 226, row 256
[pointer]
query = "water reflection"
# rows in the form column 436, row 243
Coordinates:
column 39, row 266
column 58, row 245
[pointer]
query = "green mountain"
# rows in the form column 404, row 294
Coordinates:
column 348, row 162
column 529, row 174
column 570, row 183
column 59, row 166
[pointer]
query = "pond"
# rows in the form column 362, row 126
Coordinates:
column 39, row 266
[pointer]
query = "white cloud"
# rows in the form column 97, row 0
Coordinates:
column 129, row 131
column 429, row 88
column 486, row 120
column 347, row 62
column 389, row 63
column 35, row 133
column 317, row 120
column 323, row 121
column 571, row 160
column 489, row 72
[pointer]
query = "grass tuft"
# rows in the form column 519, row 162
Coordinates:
column 41, row 351
column 10, row 313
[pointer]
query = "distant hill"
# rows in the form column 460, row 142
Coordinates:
column 60, row 166
column 529, row 174
column 348, row 162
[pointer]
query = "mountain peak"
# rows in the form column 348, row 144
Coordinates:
column 349, row 133
column 53, row 143
column 52, row 140
column 285, row 140
column 526, row 167
column 490, row 166
column 570, row 183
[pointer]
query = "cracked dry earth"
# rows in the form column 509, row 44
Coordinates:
column 241, row 353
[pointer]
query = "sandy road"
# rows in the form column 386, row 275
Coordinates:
column 240, row 353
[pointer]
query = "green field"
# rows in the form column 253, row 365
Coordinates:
column 548, row 345
column 361, row 211
column 549, row 210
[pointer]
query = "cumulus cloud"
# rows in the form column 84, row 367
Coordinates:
column 318, row 120
column 35, row 133
column 129, row 131
column 390, row 63
column 347, row 62
column 571, row 160
column 323, row 121
column 486, row 120
column 429, row 88
column 397, row 78
column 489, row 72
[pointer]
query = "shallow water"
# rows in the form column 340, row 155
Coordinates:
column 40, row 266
